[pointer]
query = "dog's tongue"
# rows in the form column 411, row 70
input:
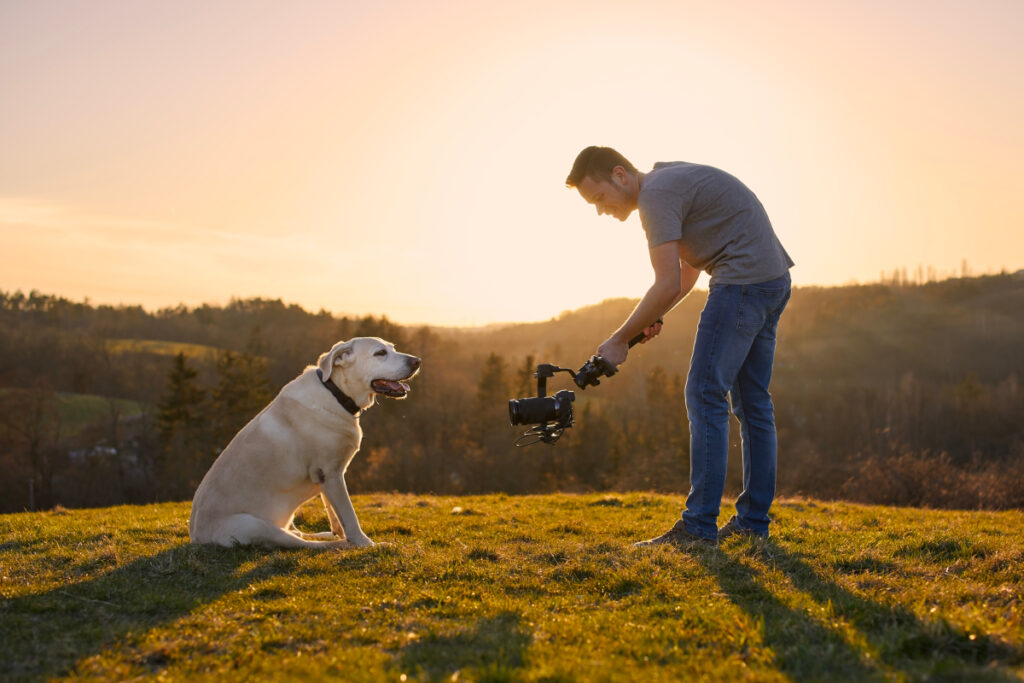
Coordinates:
column 390, row 387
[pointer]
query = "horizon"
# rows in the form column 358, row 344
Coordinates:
column 409, row 157
column 919, row 277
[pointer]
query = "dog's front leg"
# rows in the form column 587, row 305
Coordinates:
column 336, row 528
column 336, row 492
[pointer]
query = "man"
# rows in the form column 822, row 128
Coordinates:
column 700, row 218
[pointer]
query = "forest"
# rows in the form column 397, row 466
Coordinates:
column 898, row 393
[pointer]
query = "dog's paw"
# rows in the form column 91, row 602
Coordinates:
column 362, row 542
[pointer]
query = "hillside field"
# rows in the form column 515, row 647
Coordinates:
column 78, row 411
column 517, row 588
column 890, row 393
column 161, row 348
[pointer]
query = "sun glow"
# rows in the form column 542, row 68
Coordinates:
column 408, row 158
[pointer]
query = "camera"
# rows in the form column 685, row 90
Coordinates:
column 552, row 415
column 557, row 408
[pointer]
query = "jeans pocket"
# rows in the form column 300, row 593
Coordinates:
column 757, row 304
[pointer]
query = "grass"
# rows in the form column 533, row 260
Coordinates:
column 495, row 588
column 161, row 348
column 78, row 411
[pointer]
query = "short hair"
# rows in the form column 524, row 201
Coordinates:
column 596, row 163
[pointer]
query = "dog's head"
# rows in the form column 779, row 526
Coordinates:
column 366, row 366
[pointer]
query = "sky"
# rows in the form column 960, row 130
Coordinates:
column 408, row 159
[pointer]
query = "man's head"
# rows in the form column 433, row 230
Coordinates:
column 605, row 179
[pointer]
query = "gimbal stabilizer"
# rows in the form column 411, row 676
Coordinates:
column 552, row 415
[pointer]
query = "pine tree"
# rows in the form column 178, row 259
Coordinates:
column 242, row 391
column 493, row 386
column 184, row 440
column 526, row 383
column 383, row 328
column 181, row 405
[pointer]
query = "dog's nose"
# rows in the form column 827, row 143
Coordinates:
column 415, row 362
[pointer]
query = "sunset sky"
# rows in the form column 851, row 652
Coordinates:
column 409, row 158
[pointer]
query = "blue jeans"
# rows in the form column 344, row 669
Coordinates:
column 732, row 358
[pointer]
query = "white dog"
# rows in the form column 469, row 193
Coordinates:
column 298, row 446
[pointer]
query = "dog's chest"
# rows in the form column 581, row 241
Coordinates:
column 348, row 451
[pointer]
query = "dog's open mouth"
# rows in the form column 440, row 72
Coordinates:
column 390, row 387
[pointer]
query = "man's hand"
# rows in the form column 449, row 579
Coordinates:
column 651, row 331
column 613, row 351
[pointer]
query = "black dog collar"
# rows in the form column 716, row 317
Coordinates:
column 346, row 402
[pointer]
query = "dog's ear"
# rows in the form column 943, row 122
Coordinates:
column 341, row 355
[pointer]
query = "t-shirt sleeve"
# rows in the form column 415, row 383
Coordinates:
column 661, row 215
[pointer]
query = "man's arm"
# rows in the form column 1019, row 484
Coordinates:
column 688, row 278
column 665, row 293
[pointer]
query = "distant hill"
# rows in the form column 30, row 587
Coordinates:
column 889, row 393
column 161, row 348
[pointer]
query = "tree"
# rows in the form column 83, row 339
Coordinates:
column 181, row 422
column 242, row 391
column 180, row 407
column 492, row 396
column 493, row 385
column 30, row 424
column 383, row 328
column 525, row 383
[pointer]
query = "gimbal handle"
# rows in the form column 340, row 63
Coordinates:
column 599, row 366
column 640, row 337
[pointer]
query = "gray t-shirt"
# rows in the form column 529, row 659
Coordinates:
column 720, row 223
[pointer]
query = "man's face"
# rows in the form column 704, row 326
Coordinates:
column 612, row 197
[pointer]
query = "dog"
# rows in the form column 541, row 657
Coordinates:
column 297, row 447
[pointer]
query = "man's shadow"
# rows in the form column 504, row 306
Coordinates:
column 49, row 632
column 900, row 640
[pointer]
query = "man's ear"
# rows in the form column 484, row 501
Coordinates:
column 620, row 176
column 341, row 355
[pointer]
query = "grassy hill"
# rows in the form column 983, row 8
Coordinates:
column 80, row 410
column 161, row 348
column 517, row 588
column 77, row 411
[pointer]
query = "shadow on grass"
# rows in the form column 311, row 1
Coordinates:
column 18, row 546
column 494, row 649
column 897, row 633
column 45, row 634
column 806, row 646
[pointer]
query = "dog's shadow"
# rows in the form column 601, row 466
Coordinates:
column 48, row 633
column 494, row 646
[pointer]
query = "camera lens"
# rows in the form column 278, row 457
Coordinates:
column 513, row 412
column 540, row 410
column 531, row 410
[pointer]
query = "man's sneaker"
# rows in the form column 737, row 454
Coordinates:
column 733, row 528
column 679, row 537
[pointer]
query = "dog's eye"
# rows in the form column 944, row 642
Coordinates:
column 382, row 352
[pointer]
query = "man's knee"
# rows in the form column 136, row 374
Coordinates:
column 757, row 413
column 704, row 400
column 737, row 408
